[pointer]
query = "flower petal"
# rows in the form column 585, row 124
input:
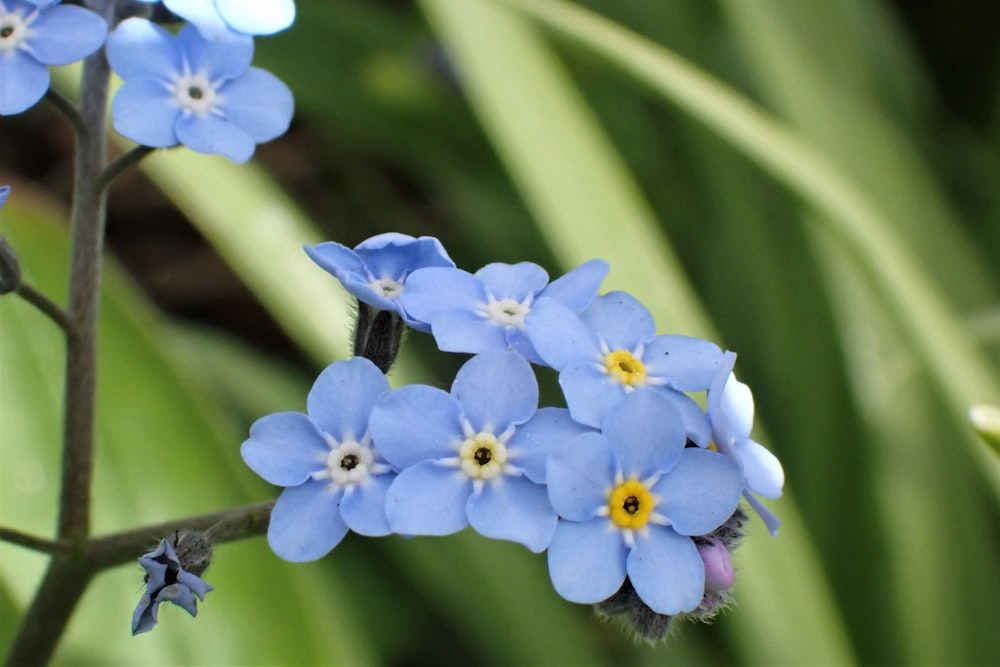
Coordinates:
column 619, row 320
column 363, row 506
column 143, row 111
column 666, row 570
column 466, row 331
column 23, row 81
column 700, row 492
column 285, row 448
column 587, row 560
column 138, row 48
column 770, row 520
column 428, row 499
column 647, row 433
column 211, row 134
column 435, row 290
column 512, row 507
column 512, row 281
column 306, row 522
column 259, row 103
column 257, row 17
column 343, row 397
column 577, row 288
column 590, row 393
column 496, row 390
column 65, row 34
column 204, row 15
column 580, row 478
column 764, row 475
column 546, row 434
column 415, row 423
column 559, row 335
column 687, row 363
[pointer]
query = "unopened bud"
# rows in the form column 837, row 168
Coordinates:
column 719, row 574
column 10, row 268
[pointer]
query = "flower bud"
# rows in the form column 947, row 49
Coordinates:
column 10, row 268
column 719, row 574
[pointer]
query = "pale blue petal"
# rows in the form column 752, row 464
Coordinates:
column 512, row 281
column 647, row 433
column 559, row 335
column 65, row 34
column 363, row 506
column 257, row 17
column 142, row 110
column 577, row 289
column 590, row 392
column 701, row 492
column 394, row 255
column 285, row 448
column 139, row 48
column 762, row 469
column 517, row 340
column 204, row 15
column 343, row 396
column 218, row 59
column 415, row 423
column 696, row 424
column 4, row 192
column 619, row 320
column 666, row 571
column 428, row 499
column 737, row 404
column 197, row 586
column 465, row 331
column 258, row 102
column 211, row 134
column 516, row 509
column 306, row 522
column 687, row 363
column 434, row 290
column 581, row 478
column 770, row 520
column 496, row 390
column 23, row 81
column 547, row 433
column 587, row 560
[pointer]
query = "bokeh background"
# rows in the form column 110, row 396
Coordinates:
column 841, row 234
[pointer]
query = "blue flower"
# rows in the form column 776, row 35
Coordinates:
column 215, row 19
column 490, row 309
column 4, row 192
column 335, row 479
column 34, row 35
column 185, row 89
column 166, row 581
column 376, row 271
column 611, row 349
column 474, row 456
column 730, row 412
column 629, row 499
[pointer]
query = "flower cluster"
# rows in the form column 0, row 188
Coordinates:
column 196, row 87
column 632, row 488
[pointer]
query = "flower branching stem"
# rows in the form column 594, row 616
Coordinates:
column 48, row 307
column 66, row 108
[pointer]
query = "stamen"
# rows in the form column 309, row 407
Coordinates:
column 483, row 457
column 630, row 505
column 625, row 368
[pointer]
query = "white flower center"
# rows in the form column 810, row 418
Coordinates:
column 507, row 312
column 13, row 31
column 349, row 463
column 387, row 287
column 483, row 456
column 196, row 94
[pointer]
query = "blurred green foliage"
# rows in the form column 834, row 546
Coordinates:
column 778, row 176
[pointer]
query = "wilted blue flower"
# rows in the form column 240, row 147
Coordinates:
column 472, row 457
column 217, row 18
column 186, row 89
column 376, row 271
column 630, row 498
column 730, row 412
column 166, row 581
column 34, row 35
column 489, row 310
column 335, row 479
column 611, row 349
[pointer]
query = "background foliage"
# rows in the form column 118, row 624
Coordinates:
column 788, row 178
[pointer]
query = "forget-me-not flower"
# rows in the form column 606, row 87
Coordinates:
column 474, row 456
column 4, row 193
column 730, row 412
column 215, row 19
column 34, row 35
column 184, row 89
column 376, row 271
column 166, row 581
column 630, row 498
column 490, row 309
column 334, row 476
column 611, row 349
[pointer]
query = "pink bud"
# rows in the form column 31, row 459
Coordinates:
column 719, row 574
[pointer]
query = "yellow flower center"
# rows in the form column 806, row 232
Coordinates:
column 630, row 504
column 624, row 367
column 482, row 456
